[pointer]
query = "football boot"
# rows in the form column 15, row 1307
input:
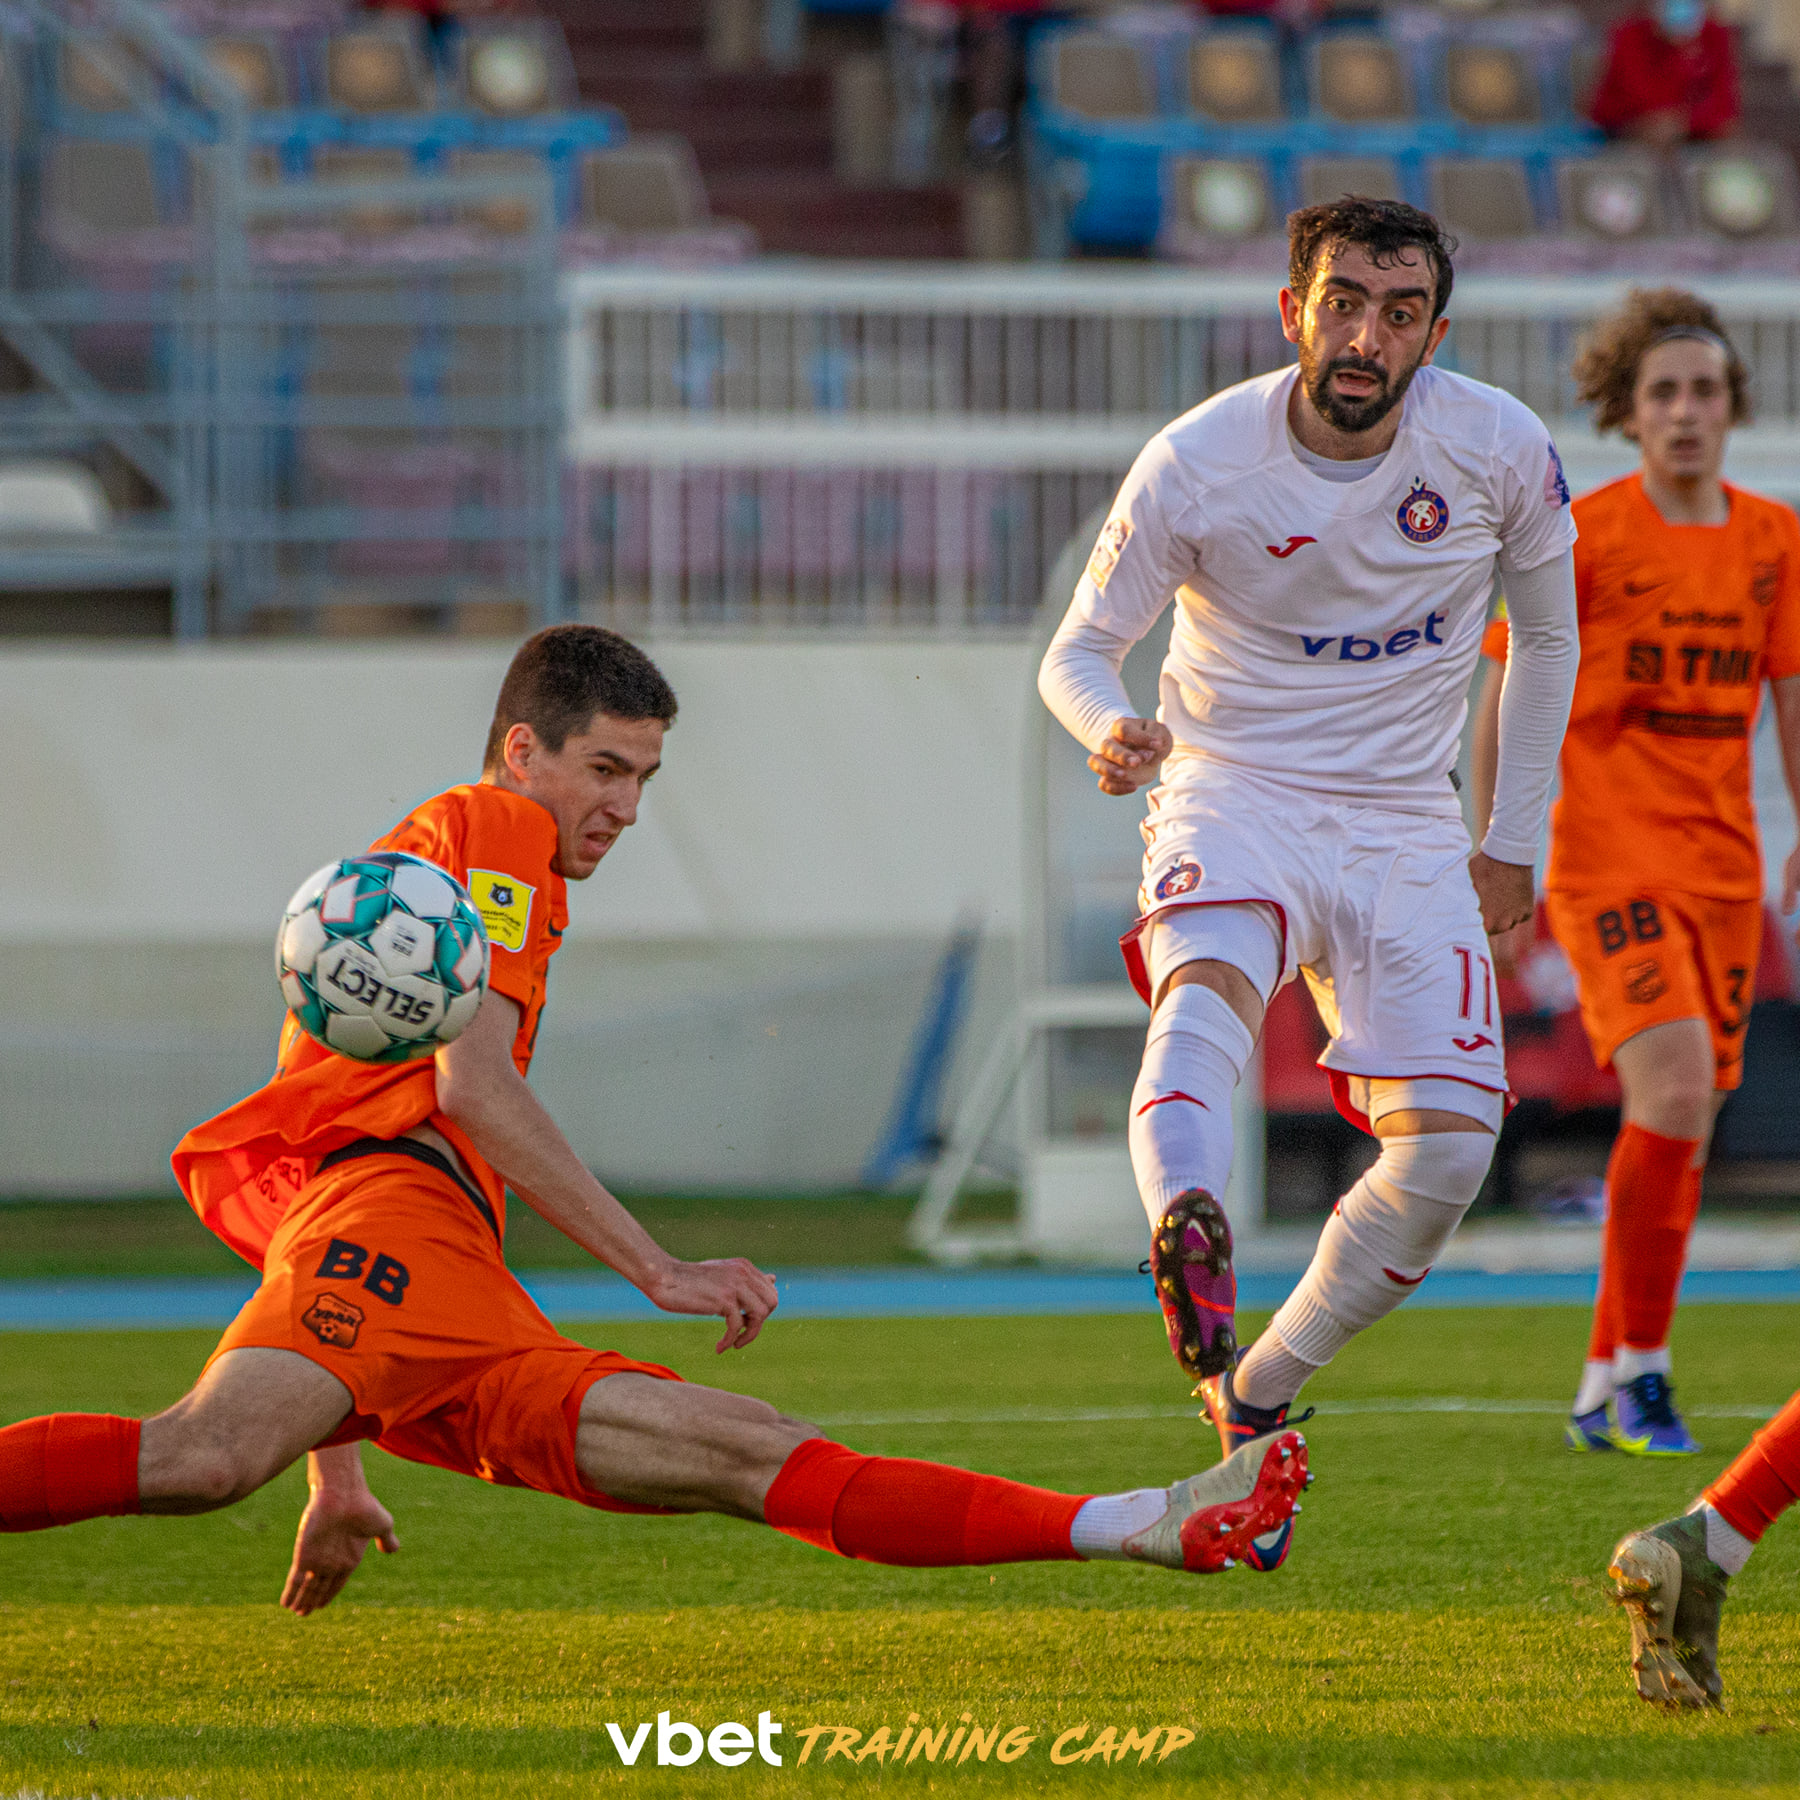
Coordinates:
column 1673, row 1593
column 1190, row 1262
column 1239, row 1424
column 1589, row 1430
column 1214, row 1519
column 1647, row 1423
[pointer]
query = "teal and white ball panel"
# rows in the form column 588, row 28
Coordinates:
column 382, row 957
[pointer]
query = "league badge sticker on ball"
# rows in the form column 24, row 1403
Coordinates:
column 382, row 957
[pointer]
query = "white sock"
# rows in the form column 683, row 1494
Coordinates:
column 1180, row 1131
column 1725, row 1544
column 1270, row 1374
column 1596, row 1386
column 1107, row 1520
column 1375, row 1249
column 1628, row 1365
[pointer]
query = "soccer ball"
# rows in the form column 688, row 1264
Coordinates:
column 382, row 957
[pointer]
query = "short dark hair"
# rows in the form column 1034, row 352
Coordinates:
column 1384, row 228
column 564, row 675
column 1606, row 369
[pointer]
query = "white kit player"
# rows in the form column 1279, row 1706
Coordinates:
column 1330, row 535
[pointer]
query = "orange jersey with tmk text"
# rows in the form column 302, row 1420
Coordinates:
column 241, row 1170
column 1680, row 627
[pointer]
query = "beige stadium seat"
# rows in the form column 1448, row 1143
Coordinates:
column 504, row 217
column 344, row 164
column 252, row 66
column 1491, row 84
column 1480, row 197
column 51, row 499
column 1324, row 179
column 1221, row 197
column 1099, row 77
column 1741, row 190
column 101, row 186
column 1615, row 196
column 1234, row 78
column 648, row 183
column 1360, row 79
column 378, row 68
column 513, row 68
column 93, row 73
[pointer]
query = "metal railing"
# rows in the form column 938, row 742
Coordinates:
column 902, row 447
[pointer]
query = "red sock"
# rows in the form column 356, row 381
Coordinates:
column 919, row 1515
column 1652, row 1196
column 1765, row 1480
column 67, row 1466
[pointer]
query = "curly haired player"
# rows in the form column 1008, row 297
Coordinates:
column 1688, row 600
column 1329, row 535
column 373, row 1199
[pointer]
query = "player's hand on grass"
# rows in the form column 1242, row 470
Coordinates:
column 732, row 1287
column 1132, row 755
column 338, row 1525
column 1507, row 894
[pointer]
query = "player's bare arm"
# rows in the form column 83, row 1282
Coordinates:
column 481, row 1089
column 1484, row 763
column 342, row 1519
column 1786, row 695
column 1131, row 756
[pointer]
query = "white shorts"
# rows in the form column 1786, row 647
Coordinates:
column 1374, row 907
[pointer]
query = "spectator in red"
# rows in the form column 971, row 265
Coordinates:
column 1670, row 77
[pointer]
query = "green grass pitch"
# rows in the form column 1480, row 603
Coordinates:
column 1441, row 1628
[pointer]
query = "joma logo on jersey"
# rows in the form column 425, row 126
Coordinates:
column 1351, row 648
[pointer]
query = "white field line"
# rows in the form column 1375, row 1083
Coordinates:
column 1100, row 1415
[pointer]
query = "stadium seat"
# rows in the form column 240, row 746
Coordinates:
column 1486, row 198
column 1615, row 197
column 1741, row 190
column 51, row 499
column 515, row 68
column 649, row 183
column 1098, row 77
column 252, row 66
column 504, row 218
column 378, row 67
column 1234, row 78
column 92, row 75
column 101, row 187
column 1491, row 84
column 1221, row 197
column 361, row 164
column 1360, row 79
column 1327, row 178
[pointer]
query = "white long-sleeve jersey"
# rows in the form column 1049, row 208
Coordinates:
column 1325, row 632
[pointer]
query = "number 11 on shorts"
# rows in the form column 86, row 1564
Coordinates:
column 1467, row 959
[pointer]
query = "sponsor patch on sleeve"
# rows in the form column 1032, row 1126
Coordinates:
column 504, row 903
column 1556, row 483
column 1112, row 539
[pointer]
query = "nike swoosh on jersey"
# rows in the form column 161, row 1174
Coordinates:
column 1636, row 589
column 1290, row 546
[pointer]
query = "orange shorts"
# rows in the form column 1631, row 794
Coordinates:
column 384, row 1272
column 1653, row 955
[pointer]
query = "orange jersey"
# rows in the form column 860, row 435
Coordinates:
column 1680, row 626
column 242, row 1170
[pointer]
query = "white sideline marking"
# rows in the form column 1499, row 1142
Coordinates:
column 1100, row 1415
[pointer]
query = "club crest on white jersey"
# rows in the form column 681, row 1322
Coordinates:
column 1424, row 514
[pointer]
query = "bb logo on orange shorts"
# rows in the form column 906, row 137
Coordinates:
column 334, row 1321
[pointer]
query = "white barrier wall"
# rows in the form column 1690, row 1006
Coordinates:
column 742, row 975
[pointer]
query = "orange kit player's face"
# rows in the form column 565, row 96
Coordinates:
column 1681, row 411
column 591, row 786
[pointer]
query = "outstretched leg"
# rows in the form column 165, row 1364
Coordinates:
column 248, row 1417
column 698, row 1449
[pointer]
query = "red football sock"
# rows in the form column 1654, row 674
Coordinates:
column 1652, row 1197
column 67, row 1466
column 1765, row 1480
column 920, row 1515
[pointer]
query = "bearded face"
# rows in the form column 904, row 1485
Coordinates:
column 1361, row 403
